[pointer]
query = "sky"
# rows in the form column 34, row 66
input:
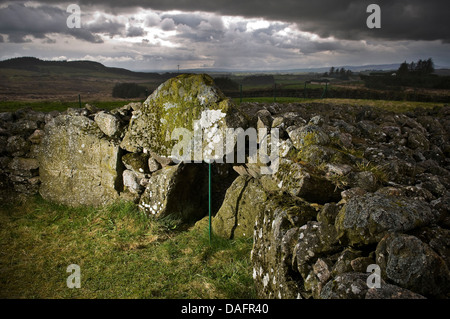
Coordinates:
column 227, row 34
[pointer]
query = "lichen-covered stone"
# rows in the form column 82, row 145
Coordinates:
column 275, row 235
column 177, row 192
column 137, row 162
column 308, row 135
column 108, row 123
column 180, row 103
column 315, row 239
column 244, row 200
column 77, row 165
column 366, row 219
column 412, row 264
column 299, row 180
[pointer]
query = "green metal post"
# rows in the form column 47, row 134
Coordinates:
column 79, row 99
column 304, row 91
column 240, row 88
column 209, row 202
column 275, row 92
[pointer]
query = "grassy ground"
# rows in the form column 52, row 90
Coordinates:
column 47, row 106
column 121, row 253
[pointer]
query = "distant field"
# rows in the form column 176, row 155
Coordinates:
column 47, row 106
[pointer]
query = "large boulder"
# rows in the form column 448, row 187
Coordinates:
column 244, row 200
column 367, row 219
column 78, row 165
column 181, row 105
column 412, row 264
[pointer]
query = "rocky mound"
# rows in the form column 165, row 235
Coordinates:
column 357, row 206
column 358, row 188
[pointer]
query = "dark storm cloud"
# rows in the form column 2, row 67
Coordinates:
column 344, row 19
column 19, row 21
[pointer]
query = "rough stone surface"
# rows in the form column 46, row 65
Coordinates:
column 108, row 124
column 77, row 165
column 177, row 192
column 243, row 201
column 366, row 219
column 180, row 103
column 275, row 235
column 412, row 264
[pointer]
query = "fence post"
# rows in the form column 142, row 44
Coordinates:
column 240, row 89
column 274, row 92
column 79, row 100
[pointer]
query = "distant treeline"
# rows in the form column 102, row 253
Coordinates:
column 415, row 74
column 339, row 73
column 129, row 90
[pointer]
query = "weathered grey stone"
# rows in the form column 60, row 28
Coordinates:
column 315, row 240
column 417, row 140
column 36, row 137
column 366, row 219
column 77, row 165
column 24, row 166
column 108, row 123
column 388, row 291
column 275, row 235
column 17, row 146
column 298, row 180
column 243, row 201
column 412, row 264
column 343, row 263
column 132, row 182
column 186, row 102
column 308, row 135
column 177, row 192
column 153, row 165
column 346, row 286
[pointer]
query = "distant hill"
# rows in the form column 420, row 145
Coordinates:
column 35, row 64
column 29, row 78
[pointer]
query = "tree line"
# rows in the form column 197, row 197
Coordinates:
column 338, row 73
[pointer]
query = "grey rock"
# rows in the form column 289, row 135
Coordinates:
column 177, row 192
column 366, row 219
column 77, row 165
column 108, row 123
column 412, row 264
column 244, row 200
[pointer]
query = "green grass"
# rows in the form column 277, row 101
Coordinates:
column 271, row 100
column 47, row 106
column 121, row 253
column 395, row 106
